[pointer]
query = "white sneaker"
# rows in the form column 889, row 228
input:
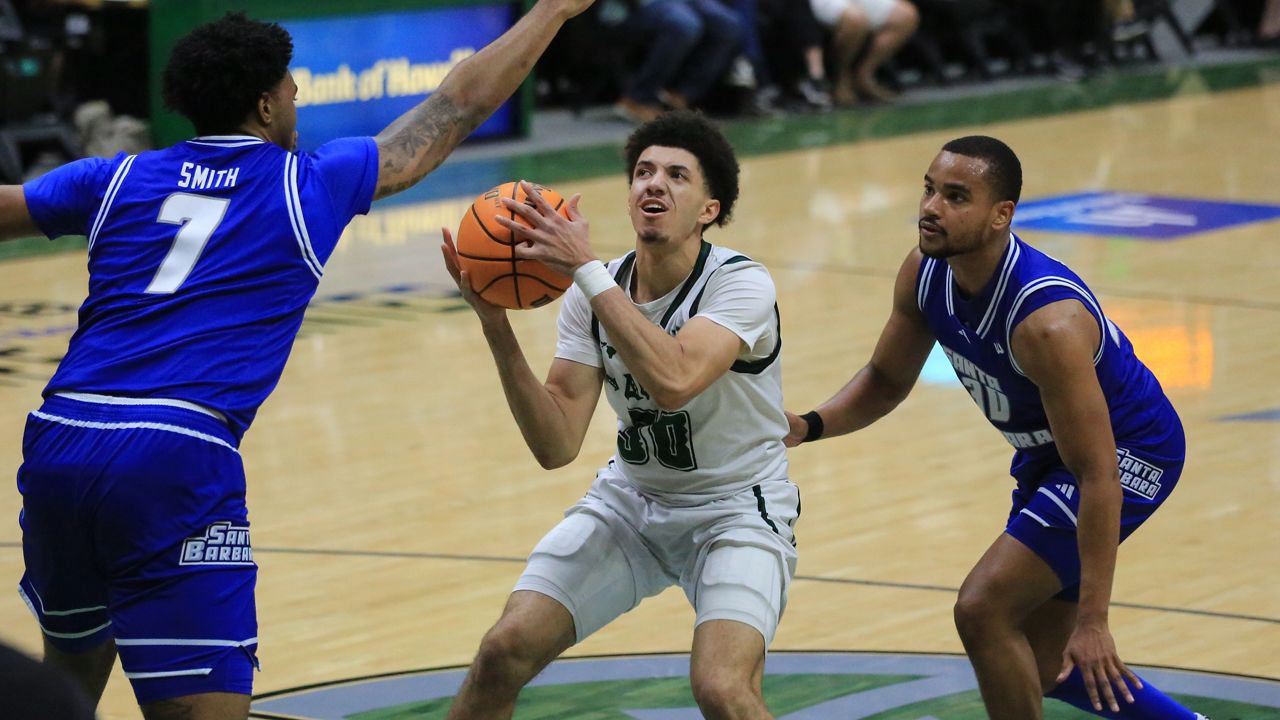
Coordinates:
column 1202, row 717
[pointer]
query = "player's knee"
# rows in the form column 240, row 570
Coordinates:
column 720, row 692
column 973, row 613
column 504, row 660
column 90, row 668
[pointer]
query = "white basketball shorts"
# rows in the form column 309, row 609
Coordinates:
column 733, row 556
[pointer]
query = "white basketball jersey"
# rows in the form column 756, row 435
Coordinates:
column 729, row 437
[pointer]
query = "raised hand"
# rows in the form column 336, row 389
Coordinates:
column 562, row 244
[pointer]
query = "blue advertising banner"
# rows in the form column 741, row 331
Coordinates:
column 357, row 73
column 1148, row 217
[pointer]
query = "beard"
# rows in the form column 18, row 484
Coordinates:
column 938, row 253
column 652, row 236
column 941, row 248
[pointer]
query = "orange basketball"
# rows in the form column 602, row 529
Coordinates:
column 486, row 250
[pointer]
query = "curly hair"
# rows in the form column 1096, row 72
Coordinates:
column 217, row 72
column 693, row 132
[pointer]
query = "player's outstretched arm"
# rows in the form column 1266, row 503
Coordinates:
column 888, row 376
column 552, row 416
column 1055, row 346
column 15, row 218
column 418, row 141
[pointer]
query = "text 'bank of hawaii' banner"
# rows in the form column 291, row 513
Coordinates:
column 356, row 74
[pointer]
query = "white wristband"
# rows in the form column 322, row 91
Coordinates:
column 593, row 278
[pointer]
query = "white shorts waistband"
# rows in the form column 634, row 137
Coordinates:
column 166, row 402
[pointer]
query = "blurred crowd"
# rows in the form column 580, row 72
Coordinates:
column 760, row 57
column 74, row 74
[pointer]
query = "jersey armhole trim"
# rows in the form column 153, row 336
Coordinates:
column 1104, row 325
column 113, row 188
column 924, row 277
column 618, row 276
column 293, row 202
column 755, row 367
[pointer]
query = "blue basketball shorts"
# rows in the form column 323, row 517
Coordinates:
column 1045, row 507
column 134, row 528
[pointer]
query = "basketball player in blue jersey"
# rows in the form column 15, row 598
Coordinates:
column 1098, row 446
column 202, row 259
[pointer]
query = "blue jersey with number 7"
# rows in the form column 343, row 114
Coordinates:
column 202, row 260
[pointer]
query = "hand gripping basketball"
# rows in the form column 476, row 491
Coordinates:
column 487, row 250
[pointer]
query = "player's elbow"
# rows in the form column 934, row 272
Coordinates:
column 471, row 97
column 673, row 395
column 888, row 389
column 552, row 458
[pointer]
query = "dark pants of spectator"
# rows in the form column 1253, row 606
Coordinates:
column 751, row 45
column 789, row 29
column 693, row 42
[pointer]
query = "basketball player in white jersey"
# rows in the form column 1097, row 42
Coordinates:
column 684, row 337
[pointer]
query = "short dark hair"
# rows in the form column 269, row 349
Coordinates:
column 693, row 132
column 217, row 72
column 1004, row 171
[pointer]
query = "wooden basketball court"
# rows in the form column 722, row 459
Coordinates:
column 392, row 499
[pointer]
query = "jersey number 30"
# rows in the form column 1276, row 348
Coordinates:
column 199, row 216
column 670, row 434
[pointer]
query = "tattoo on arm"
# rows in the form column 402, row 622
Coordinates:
column 419, row 141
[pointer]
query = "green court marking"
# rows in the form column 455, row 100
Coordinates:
column 608, row 699
column 968, row 706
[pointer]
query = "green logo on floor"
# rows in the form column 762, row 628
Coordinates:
column 797, row 686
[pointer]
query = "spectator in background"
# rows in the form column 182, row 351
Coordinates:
column 882, row 26
column 1124, row 21
column 765, row 92
column 1269, row 25
column 797, row 31
column 691, row 45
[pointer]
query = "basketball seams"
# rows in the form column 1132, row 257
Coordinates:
column 484, row 228
column 514, row 277
column 528, row 283
column 482, row 258
column 515, row 271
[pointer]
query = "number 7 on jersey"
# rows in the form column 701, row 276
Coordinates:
column 199, row 216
